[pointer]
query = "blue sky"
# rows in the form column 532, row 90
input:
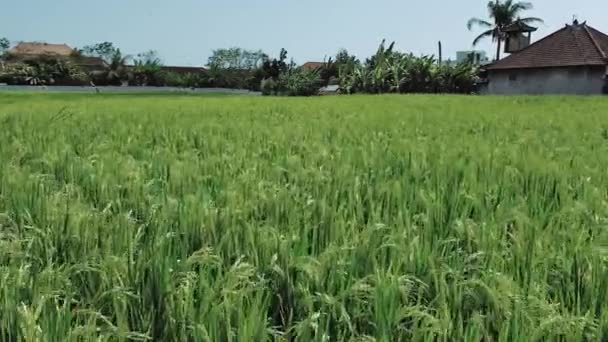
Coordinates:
column 184, row 32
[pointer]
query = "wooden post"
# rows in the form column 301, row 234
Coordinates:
column 440, row 53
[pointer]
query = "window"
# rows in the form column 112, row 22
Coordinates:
column 513, row 77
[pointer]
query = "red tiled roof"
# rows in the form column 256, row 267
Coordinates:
column 41, row 49
column 311, row 66
column 573, row 45
column 601, row 40
column 91, row 61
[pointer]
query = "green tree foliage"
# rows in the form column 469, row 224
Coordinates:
column 390, row 71
column 187, row 80
column 4, row 45
column 236, row 58
column 282, row 78
column 229, row 78
column 254, row 70
column 147, row 69
column 293, row 82
column 273, row 68
column 43, row 71
column 343, row 62
column 236, row 68
column 106, row 51
column 501, row 15
column 116, row 71
column 346, row 64
column 296, row 82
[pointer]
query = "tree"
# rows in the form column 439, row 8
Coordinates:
column 115, row 71
column 392, row 71
column 236, row 68
column 344, row 58
column 501, row 14
column 272, row 68
column 148, row 70
column 343, row 62
column 236, row 58
column 106, row 51
column 117, row 68
column 149, row 58
column 4, row 45
column 45, row 70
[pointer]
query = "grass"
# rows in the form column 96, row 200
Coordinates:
column 363, row 218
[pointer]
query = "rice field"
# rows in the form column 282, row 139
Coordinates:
column 361, row 218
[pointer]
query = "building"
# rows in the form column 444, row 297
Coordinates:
column 36, row 50
column 312, row 66
column 518, row 36
column 476, row 57
column 572, row 60
column 31, row 51
column 91, row 64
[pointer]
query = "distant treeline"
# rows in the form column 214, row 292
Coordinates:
column 387, row 71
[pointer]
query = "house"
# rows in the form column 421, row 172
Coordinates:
column 518, row 36
column 312, row 66
column 572, row 60
column 91, row 64
column 36, row 50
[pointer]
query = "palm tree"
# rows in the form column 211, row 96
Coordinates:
column 502, row 14
column 117, row 67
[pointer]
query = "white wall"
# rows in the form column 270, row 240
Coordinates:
column 572, row 80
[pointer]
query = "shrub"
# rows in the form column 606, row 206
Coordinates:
column 268, row 86
column 173, row 79
column 390, row 71
column 229, row 78
column 299, row 83
column 293, row 83
column 50, row 71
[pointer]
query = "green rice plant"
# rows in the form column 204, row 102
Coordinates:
column 360, row 218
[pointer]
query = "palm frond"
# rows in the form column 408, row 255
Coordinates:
column 492, row 6
column 531, row 20
column 477, row 22
column 521, row 6
column 486, row 34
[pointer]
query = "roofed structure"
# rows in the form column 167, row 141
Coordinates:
column 573, row 45
column 41, row 49
column 518, row 36
column 91, row 64
column 312, row 66
column 519, row 26
column 572, row 60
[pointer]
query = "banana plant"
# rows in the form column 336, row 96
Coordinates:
column 392, row 71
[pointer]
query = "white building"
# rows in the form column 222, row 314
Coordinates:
column 572, row 60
